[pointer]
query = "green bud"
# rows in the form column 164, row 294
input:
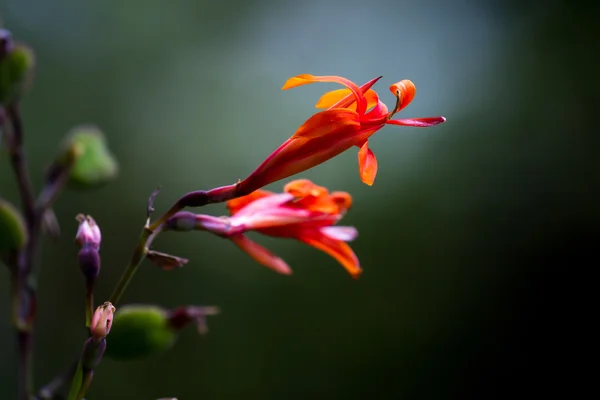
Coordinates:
column 140, row 331
column 16, row 69
column 13, row 233
column 94, row 163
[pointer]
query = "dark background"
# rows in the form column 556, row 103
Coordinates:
column 475, row 239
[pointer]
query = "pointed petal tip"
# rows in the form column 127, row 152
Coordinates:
column 417, row 122
column 356, row 274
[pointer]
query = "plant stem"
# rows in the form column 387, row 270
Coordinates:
column 193, row 199
column 24, row 294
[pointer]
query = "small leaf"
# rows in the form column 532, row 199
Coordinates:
column 13, row 233
column 16, row 69
column 139, row 331
column 95, row 164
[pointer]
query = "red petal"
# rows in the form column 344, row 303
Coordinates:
column 261, row 255
column 339, row 250
column 417, row 122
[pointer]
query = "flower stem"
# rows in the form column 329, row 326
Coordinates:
column 193, row 199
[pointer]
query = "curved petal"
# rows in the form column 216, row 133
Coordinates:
column 336, row 248
column 306, row 79
column 342, row 98
column 367, row 164
column 303, row 188
column 405, row 92
column 261, row 255
column 417, row 122
column 343, row 200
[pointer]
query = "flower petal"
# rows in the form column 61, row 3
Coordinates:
column 367, row 164
column 303, row 188
column 306, row 79
column 323, row 136
column 261, row 255
column 343, row 98
column 236, row 205
column 417, row 122
column 405, row 92
column 343, row 200
column 335, row 248
column 343, row 233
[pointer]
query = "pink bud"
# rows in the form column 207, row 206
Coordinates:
column 102, row 321
column 88, row 233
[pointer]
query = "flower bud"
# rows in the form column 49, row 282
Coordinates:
column 88, row 259
column 88, row 233
column 102, row 321
column 13, row 233
column 16, row 67
column 142, row 330
column 182, row 221
column 95, row 164
column 92, row 353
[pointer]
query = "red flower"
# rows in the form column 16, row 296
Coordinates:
column 352, row 115
column 305, row 212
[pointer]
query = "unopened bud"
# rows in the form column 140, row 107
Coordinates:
column 102, row 321
column 164, row 261
column 16, row 67
column 13, row 232
column 182, row 221
column 6, row 43
column 88, row 259
column 92, row 353
column 88, row 233
column 142, row 330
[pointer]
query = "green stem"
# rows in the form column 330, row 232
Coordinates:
column 136, row 260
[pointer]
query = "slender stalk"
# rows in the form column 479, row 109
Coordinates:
column 192, row 199
column 24, row 293
column 23, row 296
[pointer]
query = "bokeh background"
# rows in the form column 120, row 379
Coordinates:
column 473, row 238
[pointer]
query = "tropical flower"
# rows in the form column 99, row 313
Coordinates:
column 350, row 117
column 305, row 212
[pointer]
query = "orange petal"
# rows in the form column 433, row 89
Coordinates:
column 339, row 250
column 323, row 136
column 303, row 188
column 334, row 97
column 306, row 79
column 343, row 200
column 367, row 164
column 328, row 122
column 261, row 255
column 405, row 92
column 236, row 205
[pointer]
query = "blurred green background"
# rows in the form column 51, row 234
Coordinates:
column 470, row 238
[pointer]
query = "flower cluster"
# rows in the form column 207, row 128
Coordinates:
column 305, row 211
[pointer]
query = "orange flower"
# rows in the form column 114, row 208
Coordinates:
column 304, row 212
column 350, row 117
